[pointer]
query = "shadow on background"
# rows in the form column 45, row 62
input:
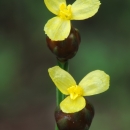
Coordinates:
column 27, row 94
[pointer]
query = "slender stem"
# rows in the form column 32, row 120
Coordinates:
column 59, row 95
column 64, row 65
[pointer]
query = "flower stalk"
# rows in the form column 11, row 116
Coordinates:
column 59, row 95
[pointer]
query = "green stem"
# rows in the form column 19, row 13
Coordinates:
column 64, row 65
column 59, row 95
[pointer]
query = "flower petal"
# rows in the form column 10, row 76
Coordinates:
column 61, row 78
column 95, row 82
column 57, row 29
column 83, row 9
column 54, row 5
column 69, row 105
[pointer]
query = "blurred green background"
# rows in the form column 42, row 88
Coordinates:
column 27, row 94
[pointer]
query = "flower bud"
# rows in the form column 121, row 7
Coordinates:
column 67, row 48
column 75, row 121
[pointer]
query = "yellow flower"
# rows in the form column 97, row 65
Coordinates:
column 58, row 27
column 93, row 83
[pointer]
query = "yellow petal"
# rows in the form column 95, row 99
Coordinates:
column 57, row 29
column 69, row 105
column 83, row 9
column 54, row 5
column 95, row 82
column 62, row 79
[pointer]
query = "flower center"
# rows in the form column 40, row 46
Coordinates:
column 75, row 91
column 65, row 11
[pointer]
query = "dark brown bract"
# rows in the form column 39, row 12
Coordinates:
column 75, row 121
column 67, row 48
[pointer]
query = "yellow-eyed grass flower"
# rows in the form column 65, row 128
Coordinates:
column 93, row 83
column 58, row 27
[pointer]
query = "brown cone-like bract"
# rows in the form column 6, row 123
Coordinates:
column 75, row 121
column 67, row 48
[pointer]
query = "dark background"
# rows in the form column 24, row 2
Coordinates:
column 27, row 94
